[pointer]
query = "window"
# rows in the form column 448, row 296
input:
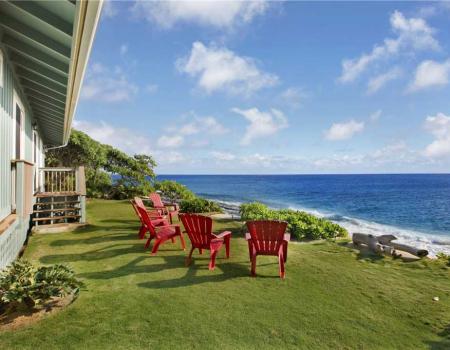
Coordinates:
column 1, row 69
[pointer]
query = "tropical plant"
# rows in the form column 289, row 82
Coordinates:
column 174, row 191
column 300, row 224
column 199, row 205
column 110, row 173
column 23, row 284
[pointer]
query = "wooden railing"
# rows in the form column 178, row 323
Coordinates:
column 54, row 180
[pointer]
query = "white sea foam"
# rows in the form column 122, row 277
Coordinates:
column 431, row 242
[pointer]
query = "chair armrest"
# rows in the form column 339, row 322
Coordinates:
column 287, row 237
column 223, row 234
column 247, row 236
column 174, row 226
column 158, row 221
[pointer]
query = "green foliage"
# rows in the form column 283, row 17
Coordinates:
column 132, row 174
column 300, row 224
column 21, row 283
column 174, row 191
column 199, row 205
column 444, row 258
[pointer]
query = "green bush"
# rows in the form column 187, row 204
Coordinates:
column 444, row 258
column 199, row 205
column 301, row 225
column 174, row 191
column 22, row 284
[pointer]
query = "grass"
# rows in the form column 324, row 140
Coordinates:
column 333, row 296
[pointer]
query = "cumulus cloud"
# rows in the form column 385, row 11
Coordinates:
column 217, row 14
column 439, row 127
column 170, row 141
column 220, row 69
column 430, row 74
column 344, row 131
column 413, row 34
column 109, row 10
column 223, row 156
column 108, row 85
column 293, row 97
column 377, row 82
column 261, row 123
column 124, row 139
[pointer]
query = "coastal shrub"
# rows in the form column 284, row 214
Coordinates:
column 444, row 258
column 301, row 225
column 199, row 205
column 23, row 284
column 174, row 191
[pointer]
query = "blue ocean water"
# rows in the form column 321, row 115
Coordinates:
column 413, row 207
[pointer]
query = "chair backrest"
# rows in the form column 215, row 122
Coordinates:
column 135, row 207
column 267, row 235
column 156, row 199
column 198, row 228
column 138, row 201
column 146, row 220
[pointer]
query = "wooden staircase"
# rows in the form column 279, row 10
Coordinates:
column 53, row 208
column 60, row 203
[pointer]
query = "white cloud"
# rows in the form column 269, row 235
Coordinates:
column 166, row 141
column 344, row 131
column 439, row 127
column 206, row 125
column 124, row 139
column 413, row 34
column 218, row 14
column 376, row 83
column 261, row 123
column 123, row 49
column 430, row 74
column 107, row 85
column 219, row 69
column 293, row 97
column 109, row 10
column 375, row 115
column 223, row 156
column 151, row 88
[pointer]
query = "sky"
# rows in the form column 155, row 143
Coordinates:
column 273, row 87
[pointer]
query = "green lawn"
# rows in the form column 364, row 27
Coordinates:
column 332, row 297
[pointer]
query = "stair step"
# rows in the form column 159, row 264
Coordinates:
column 56, row 210
column 57, row 217
column 56, row 194
column 56, row 203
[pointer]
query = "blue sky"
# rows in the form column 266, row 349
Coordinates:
column 273, row 87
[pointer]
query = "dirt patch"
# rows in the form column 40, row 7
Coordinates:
column 22, row 318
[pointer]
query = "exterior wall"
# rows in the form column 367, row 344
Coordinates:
column 14, row 236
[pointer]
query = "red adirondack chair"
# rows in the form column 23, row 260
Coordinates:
column 199, row 230
column 156, row 219
column 160, row 233
column 267, row 237
column 163, row 207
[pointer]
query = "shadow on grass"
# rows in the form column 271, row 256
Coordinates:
column 364, row 254
column 444, row 343
column 93, row 255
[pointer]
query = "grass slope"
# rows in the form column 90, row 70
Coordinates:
column 333, row 297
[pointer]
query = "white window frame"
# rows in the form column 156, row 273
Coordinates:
column 18, row 102
column 1, row 69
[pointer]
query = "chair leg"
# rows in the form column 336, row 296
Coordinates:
column 147, row 244
column 227, row 246
column 281, row 262
column 285, row 247
column 200, row 251
column 253, row 259
column 212, row 261
column 250, row 253
column 142, row 231
column 173, row 239
column 189, row 258
column 183, row 243
column 156, row 245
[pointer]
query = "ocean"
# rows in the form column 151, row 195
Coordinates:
column 413, row 207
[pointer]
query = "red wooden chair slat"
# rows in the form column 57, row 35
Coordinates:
column 163, row 207
column 156, row 218
column 267, row 237
column 199, row 230
column 160, row 233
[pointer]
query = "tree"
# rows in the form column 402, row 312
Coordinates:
column 110, row 173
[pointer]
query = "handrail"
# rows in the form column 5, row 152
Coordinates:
column 53, row 180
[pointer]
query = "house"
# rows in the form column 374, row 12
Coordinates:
column 44, row 49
